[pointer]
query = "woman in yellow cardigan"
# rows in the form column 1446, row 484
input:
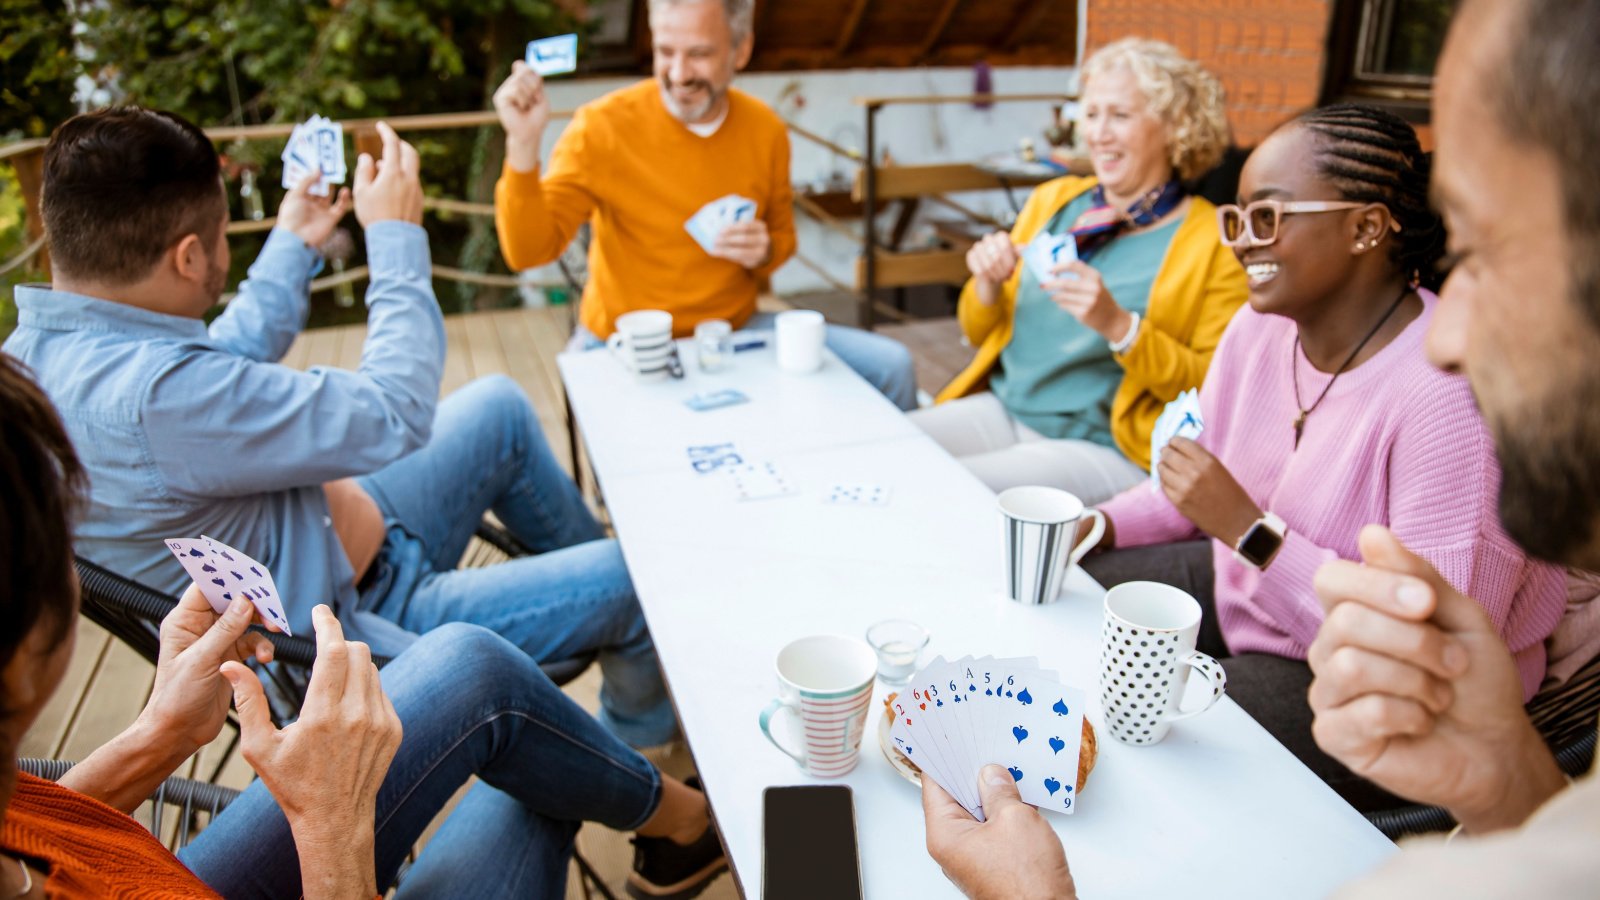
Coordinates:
column 1078, row 367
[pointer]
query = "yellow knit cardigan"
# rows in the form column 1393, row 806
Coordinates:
column 1194, row 295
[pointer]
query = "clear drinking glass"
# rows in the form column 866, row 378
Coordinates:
column 713, row 343
column 898, row 643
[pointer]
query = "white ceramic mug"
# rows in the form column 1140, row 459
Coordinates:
column 826, row 682
column 1146, row 651
column 643, row 343
column 800, row 336
column 1040, row 523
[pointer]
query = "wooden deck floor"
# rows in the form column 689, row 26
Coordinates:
column 107, row 683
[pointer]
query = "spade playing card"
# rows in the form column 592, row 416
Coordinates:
column 223, row 574
column 970, row 713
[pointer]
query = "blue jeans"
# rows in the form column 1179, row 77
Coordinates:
column 471, row 704
column 571, row 602
column 884, row 362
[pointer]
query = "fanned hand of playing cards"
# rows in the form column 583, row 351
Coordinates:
column 705, row 225
column 1181, row 418
column 954, row 718
column 1046, row 251
column 316, row 144
column 223, row 574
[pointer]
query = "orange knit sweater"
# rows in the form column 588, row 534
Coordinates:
column 90, row 849
column 625, row 164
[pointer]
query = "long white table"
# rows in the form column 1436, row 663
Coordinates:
column 1217, row 809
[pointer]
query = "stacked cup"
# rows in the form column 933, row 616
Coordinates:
column 643, row 343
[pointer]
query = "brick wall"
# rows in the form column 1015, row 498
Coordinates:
column 1268, row 53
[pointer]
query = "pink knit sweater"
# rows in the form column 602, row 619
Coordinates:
column 1396, row 442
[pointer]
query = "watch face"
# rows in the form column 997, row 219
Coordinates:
column 1259, row 543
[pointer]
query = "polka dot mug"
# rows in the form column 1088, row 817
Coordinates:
column 1147, row 647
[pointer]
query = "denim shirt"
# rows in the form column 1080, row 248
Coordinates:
column 188, row 430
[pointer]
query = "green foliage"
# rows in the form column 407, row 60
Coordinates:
column 13, row 240
column 238, row 62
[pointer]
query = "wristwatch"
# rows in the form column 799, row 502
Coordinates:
column 1261, row 542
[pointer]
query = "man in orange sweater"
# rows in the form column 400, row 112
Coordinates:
column 639, row 162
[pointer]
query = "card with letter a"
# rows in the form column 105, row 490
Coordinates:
column 958, row 717
column 223, row 574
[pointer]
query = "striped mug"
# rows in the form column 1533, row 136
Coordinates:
column 1040, row 523
column 826, row 682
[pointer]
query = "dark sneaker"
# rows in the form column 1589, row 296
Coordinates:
column 665, row 870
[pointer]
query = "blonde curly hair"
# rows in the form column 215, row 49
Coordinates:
column 1181, row 94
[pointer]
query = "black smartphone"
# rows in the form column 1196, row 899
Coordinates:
column 808, row 847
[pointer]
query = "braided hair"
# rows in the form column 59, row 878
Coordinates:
column 1372, row 156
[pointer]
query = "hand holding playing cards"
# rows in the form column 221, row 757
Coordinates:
column 1207, row 494
column 325, row 769
column 524, row 110
column 1014, row 853
column 1081, row 291
column 1415, row 690
column 390, row 188
column 746, row 243
column 188, row 702
column 991, row 261
column 309, row 217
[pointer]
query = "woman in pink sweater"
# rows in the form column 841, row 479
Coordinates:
column 1322, row 415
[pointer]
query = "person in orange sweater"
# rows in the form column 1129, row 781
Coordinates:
column 639, row 162
column 329, row 817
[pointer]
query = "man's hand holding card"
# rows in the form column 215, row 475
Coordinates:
column 728, row 228
column 954, row 718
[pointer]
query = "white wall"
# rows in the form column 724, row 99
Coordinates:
column 911, row 134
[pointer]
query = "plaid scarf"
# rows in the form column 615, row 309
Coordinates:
column 1103, row 222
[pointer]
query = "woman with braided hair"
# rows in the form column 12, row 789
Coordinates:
column 1322, row 415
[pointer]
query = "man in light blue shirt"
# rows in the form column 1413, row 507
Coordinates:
column 357, row 489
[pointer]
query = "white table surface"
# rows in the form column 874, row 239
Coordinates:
column 1217, row 809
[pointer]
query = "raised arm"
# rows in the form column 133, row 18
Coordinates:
column 221, row 425
column 536, row 217
column 270, row 308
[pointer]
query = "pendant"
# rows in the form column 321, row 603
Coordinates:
column 1299, row 426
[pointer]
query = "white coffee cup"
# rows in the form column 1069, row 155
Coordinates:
column 1147, row 647
column 643, row 343
column 826, row 682
column 800, row 336
column 1040, row 523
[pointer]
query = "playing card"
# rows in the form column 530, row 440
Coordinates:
column 1046, row 251
column 1041, row 742
column 708, row 458
column 706, row 224
column 553, row 55
column 316, row 144
column 758, row 481
column 223, row 573
column 329, row 139
column 857, row 495
column 1180, row 418
column 715, row 399
column 922, row 742
column 956, row 717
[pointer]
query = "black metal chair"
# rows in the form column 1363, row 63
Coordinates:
column 1565, row 716
column 132, row 613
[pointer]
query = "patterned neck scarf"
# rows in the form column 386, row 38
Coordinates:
column 1103, row 222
